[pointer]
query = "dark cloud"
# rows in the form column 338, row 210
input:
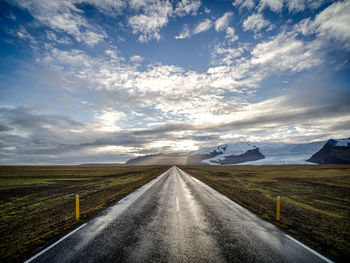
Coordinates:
column 43, row 138
column 4, row 127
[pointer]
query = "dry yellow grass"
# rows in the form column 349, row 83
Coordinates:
column 315, row 199
column 38, row 203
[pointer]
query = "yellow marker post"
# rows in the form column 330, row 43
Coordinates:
column 278, row 209
column 77, row 207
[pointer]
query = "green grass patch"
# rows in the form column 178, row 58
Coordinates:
column 315, row 199
column 37, row 203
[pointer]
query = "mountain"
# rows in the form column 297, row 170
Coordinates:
column 286, row 153
column 225, row 154
column 257, row 153
column 159, row 159
column 333, row 152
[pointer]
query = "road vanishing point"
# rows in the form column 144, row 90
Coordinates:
column 177, row 218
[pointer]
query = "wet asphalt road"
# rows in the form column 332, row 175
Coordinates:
column 176, row 218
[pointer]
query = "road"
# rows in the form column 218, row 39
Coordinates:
column 177, row 218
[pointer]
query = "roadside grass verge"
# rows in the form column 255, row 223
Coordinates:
column 315, row 199
column 37, row 203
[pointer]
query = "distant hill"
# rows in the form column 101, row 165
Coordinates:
column 333, row 152
column 159, row 159
column 101, row 164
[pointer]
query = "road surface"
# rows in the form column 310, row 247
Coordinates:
column 176, row 218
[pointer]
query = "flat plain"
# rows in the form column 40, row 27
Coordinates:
column 315, row 199
column 37, row 203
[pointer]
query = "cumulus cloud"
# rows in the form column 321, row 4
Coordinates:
column 203, row 26
column 207, row 10
column 334, row 22
column 296, row 5
column 230, row 35
column 163, row 107
column 301, row 113
column 274, row 5
column 23, row 34
column 296, row 54
column 256, row 22
column 187, row 7
column 226, row 55
column 65, row 17
column 136, row 59
column 107, row 121
column 222, row 22
column 241, row 4
column 185, row 33
column 314, row 4
column 108, row 7
column 53, row 37
column 154, row 15
column 292, row 5
column 330, row 24
column 145, row 18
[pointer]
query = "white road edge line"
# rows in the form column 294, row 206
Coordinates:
column 291, row 238
column 54, row 244
column 309, row 249
column 177, row 204
column 71, row 233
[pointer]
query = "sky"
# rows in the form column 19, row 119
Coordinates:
column 102, row 81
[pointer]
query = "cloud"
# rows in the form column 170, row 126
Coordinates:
column 256, row 22
column 185, row 33
column 297, row 55
column 107, row 121
column 64, row 17
column 136, row 59
column 108, row 7
column 117, row 108
column 274, row 5
column 334, row 21
column 248, row 4
column 22, row 33
column 308, row 110
column 222, row 22
column 329, row 25
column 230, row 35
column 154, row 15
column 226, row 55
column 187, row 7
column 53, row 37
column 314, row 4
column 203, row 26
column 295, row 5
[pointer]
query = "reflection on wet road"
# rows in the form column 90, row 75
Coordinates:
column 176, row 218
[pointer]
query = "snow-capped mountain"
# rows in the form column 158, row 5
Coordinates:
column 340, row 142
column 228, row 149
column 333, row 152
column 260, row 153
column 257, row 153
column 226, row 154
column 287, row 153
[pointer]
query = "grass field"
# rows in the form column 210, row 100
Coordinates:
column 38, row 203
column 315, row 199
